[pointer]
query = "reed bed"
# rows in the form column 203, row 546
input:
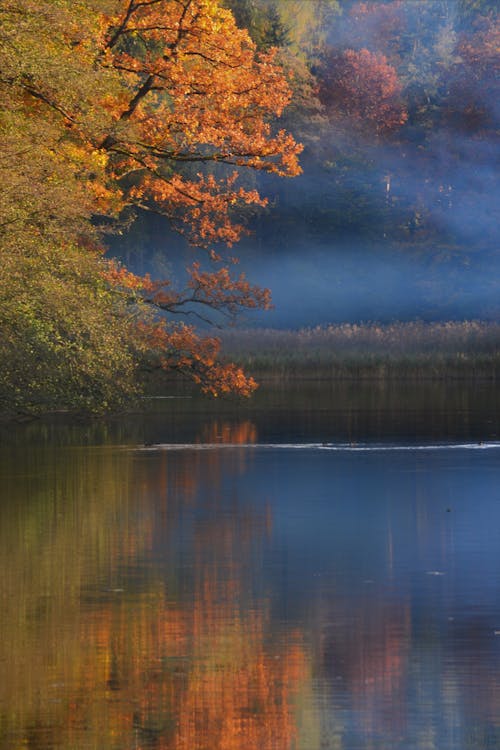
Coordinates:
column 462, row 349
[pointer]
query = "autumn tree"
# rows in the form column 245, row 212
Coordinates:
column 113, row 105
column 418, row 41
column 362, row 89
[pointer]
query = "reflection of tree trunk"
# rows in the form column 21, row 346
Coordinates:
column 388, row 189
column 387, row 211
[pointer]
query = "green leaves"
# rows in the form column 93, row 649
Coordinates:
column 65, row 339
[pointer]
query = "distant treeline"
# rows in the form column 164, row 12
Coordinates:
column 397, row 105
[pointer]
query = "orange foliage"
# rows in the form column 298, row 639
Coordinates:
column 361, row 86
column 164, row 99
column 177, row 347
column 196, row 93
column 219, row 290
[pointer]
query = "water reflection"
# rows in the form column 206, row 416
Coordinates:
column 247, row 597
column 243, row 432
column 130, row 615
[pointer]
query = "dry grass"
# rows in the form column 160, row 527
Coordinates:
column 413, row 350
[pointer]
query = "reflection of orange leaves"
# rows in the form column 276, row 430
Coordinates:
column 164, row 661
column 206, row 664
column 383, row 665
column 247, row 707
column 239, row 433
column 239, row 694
column 373, row 656
column 99, row 627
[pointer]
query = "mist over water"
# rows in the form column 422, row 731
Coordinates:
column 331, row 284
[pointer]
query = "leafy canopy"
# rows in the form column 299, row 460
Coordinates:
column 110, row 105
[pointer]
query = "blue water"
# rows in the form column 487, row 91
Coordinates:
column 236, row 584
column 387, row 559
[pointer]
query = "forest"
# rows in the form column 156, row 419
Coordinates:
column 143, row 139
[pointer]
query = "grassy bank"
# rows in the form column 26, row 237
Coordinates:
column 415, row 350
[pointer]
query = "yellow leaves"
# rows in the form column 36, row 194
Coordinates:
column 65, row 338
column 83, row 156
column 99, row 158
column 105, row 200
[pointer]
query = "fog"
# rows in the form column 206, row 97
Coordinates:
column 333, row 283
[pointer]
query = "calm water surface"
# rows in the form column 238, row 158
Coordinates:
column 319, row 569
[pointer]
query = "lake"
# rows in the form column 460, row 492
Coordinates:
column 316, row 569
